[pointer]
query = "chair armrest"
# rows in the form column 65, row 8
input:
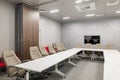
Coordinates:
column 51, row 53
column 44, row 55
column 27, row 60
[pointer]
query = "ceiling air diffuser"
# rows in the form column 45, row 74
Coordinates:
column 86, row 7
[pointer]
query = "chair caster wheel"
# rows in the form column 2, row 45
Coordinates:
column 63, row 77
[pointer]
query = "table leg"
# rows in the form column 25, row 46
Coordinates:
column 58, row 71
column 27, row 75
column 77, row 57
column 70, row 62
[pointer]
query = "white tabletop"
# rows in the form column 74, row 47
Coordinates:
column 44, row 63
column 112, row 58
column 111, row 71
column 111, row 64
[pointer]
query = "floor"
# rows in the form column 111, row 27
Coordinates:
column 85, row 70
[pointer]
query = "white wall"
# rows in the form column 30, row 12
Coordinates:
column 50, row 31
column 7, row 21
column 108, row 29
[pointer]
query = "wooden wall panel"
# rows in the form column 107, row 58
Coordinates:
column 36, row 29
column 30, row 29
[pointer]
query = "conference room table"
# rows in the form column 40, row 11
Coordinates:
column 44, row 63
column 111, row 62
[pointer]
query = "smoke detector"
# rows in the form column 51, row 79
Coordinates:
column 86, row 7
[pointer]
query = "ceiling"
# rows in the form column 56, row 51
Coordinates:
column 67, row 9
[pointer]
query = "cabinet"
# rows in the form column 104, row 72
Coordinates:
column 26, row 29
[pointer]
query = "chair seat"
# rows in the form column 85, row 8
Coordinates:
column 21, row 72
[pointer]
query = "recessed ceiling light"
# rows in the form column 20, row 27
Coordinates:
column 86, row 0
column 90, row 15
column 78, row 1
column 98, row 15
column 117, row 12
column 54, row 11
column 65, row 18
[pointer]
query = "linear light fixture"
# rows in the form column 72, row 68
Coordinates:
column 86, row 0
column 117, row 12
column 98, row 15
column 64, row 18
column 78, row 1
column 90, row 15
column 54, row 11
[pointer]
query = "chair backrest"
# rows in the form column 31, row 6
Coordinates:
column 87, row 45
column 51, row 50
column 63, row 47
column 10, row 58
column 59, row 47
column 54, row 46
column 98, row 46
column 43, row 51
column 35, row 53
column 79, row 46
column 109, row 46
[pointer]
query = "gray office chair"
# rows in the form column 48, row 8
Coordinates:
column 35, row 53
column 109, row 46
column 43, row 51
column 11, row 59
column 88, row 52
column 51, row 50
column 100, row 56
column 63, row 47
column 59, row 47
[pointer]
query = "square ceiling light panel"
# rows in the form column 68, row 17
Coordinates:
column 85, row 7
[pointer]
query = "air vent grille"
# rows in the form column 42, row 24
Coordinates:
column 86, row 7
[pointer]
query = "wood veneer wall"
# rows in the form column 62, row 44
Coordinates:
column 26, row 30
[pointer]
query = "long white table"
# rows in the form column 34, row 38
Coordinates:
column 111, row 64
column 44, row 63
column 111, row 71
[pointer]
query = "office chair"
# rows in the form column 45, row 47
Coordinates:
column 98, row 46
column 54, row 46
column 59, row 47
column 51, row 50
column 88, row 52
column 79, row 46
column 81, row 53
column 88, row 45
column 63, row 47
column 35, row 53
column 99, row 56
column 109, row 46
column 11, row 59
column 43, row 51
